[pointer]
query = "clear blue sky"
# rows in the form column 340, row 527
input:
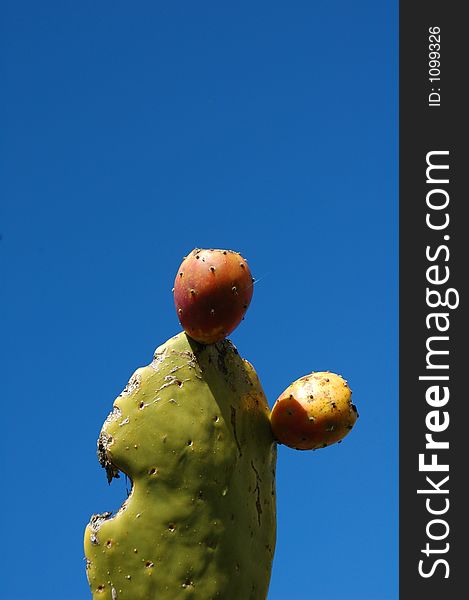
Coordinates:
column 135, row 131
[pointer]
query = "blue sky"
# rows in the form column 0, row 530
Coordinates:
column 134, row 132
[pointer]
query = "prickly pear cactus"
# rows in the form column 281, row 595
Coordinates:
column 192, row 432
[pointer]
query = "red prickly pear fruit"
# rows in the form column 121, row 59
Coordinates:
column 313, row 412
column 212, row 291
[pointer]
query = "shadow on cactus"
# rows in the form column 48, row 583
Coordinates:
column 192, row 430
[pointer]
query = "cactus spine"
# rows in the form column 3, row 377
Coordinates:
column 192, row 431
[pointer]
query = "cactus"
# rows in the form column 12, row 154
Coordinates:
column 195, row 434
column 192, row 431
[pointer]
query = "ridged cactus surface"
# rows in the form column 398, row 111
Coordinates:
column 192, row 432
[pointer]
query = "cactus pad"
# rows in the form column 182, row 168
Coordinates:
column 192, row 432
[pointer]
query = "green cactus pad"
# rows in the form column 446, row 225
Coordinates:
column 192, row 432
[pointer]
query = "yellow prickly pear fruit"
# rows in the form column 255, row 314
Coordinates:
column 314, row 411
